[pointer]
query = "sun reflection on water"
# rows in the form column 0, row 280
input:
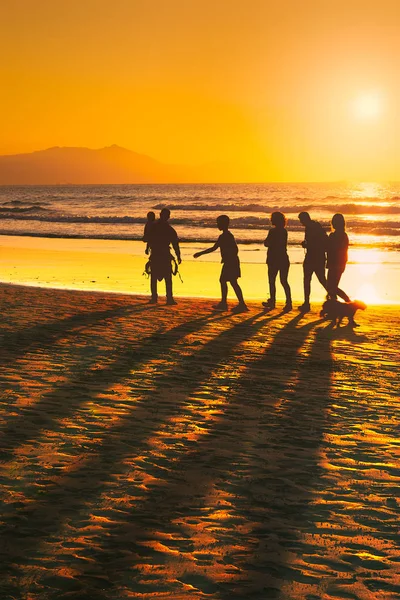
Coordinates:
column 369, row 189
column 368, row 264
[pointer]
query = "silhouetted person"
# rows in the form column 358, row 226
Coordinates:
column 338, row 244
column 230, row 265
column 278, row 260
column 151, row 217
column 315, row 242
column 161, row 237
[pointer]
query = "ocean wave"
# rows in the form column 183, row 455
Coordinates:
column 363, row 209
column 56, row 218
column 228, row 207
column 24, row 203
column 250, row 222
column 5, row 210
column 347, row 209
column 383, row 245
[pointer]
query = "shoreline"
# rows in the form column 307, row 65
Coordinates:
column 232, row 301
column 118, row 265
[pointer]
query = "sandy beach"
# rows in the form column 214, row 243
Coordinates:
column 174, row 452
column 188, row 445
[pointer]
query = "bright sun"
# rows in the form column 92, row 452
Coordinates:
column 368, row 105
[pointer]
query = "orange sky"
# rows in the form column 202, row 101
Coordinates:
column 298, row 90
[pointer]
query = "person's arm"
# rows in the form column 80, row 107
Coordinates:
column 267, row 240
column 325, row 240
column 175, row 245
column 146, row 238
column 207, row 251
column 174, row 241
column 304, row 242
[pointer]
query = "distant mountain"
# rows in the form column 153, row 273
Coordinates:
column 112, row 164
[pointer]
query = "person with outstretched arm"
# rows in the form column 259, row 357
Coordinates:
column 230, row 272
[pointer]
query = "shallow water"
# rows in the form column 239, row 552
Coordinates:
column 372, row 211
column 118, row 212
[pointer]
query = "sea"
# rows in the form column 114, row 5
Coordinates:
column 371, row 210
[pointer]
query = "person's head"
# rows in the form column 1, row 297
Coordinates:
column 338, row 222
column 304, row 218
column 278, row 219
column 151, row 216
column 165, row 214
column 223, row 222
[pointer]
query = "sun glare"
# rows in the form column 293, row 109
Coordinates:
column 368, row 105
column 368, row 293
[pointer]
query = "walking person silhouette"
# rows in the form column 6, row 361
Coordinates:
column 160, row 237
column 230, row 265
column 315, row 242
column 338, row 243
column 278, row 260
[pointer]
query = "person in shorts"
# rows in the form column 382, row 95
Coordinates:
column 230, row 265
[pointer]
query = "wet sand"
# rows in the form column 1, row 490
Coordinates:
column 118, row 265
column 174, row 452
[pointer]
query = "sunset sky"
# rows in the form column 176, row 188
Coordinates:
column 300, row 90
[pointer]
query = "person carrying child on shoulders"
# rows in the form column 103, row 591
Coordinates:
column 230, row 265
column 161, row 237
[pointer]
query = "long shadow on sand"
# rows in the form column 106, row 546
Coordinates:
column 71, row 494
column 270, row 473
column 271, row 476
column 87, row 384
column 44, row 335
column 272, row 479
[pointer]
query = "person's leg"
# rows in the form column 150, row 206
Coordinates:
column 153, row 288
column 272, row 273
column 332, row 282
column 238, row 291
column 224, row 291
column 319, row 270
column 307, row 274
column 241, row 307
column 168, row 288
column 283, row 276
column 343, row 295
column 333, row 279
column 339, row 291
